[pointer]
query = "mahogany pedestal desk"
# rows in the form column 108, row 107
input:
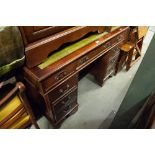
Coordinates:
column 56, row 86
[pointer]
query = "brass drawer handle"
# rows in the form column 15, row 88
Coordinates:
column 108, row 44
column 84, row 59
column 113, row 60
column 119, row 38
column 64, row 90
column 67, row 102
column 117, row 49
column 66, row 108
column 60, row 75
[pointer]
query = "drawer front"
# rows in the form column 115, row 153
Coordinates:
column 114, row 59
column 86, row 59
column 57, row 77
column 109, row 74
column 109, row 71
column 120, row 37
column 65, row 105
column 62, row 89
column 109, row 64
column 111, row 55
column 110, row 67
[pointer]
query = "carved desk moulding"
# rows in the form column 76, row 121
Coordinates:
column 43, row 40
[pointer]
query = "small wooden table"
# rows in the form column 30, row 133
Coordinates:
column 129, row 56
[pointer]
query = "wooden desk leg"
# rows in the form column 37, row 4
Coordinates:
column 129, row 59
column 121, row 62
column 100, row 81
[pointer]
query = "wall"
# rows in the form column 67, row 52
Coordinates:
column 142, row 85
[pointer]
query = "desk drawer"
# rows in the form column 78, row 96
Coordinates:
column 111, row 55
column 86, row 59
column 113, row 61
column 62, row 89
column 62, row 107
column 115, row 40
column 57, row 77
column 121, row 36
column 111, row 67
column 109, row 73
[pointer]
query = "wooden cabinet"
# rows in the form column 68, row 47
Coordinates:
column 106, row 66
column 62, row 89
column 57, row 77
column 65, row 106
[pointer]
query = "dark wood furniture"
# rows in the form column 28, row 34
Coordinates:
column 35, row 33
column 127, row 52
column 131, row 51
column 57, row 84
column 106, row 66
column 15, row 111
column 40, row 41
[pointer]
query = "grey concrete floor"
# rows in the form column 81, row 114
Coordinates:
column 98, row 105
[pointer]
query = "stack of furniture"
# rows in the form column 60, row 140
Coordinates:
column 53, row 64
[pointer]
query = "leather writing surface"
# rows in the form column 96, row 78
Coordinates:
column 69, row 49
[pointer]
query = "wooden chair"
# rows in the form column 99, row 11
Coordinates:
column 131, row 51
column 15, row 111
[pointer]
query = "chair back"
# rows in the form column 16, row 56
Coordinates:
column 15, row 111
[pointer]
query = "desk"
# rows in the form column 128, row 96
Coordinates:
column 56, row 86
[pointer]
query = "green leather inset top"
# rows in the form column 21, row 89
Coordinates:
column 70, row 49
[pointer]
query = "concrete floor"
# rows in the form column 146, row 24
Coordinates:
column 98, row 105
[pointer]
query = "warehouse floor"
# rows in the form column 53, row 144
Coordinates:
column 98, row 105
